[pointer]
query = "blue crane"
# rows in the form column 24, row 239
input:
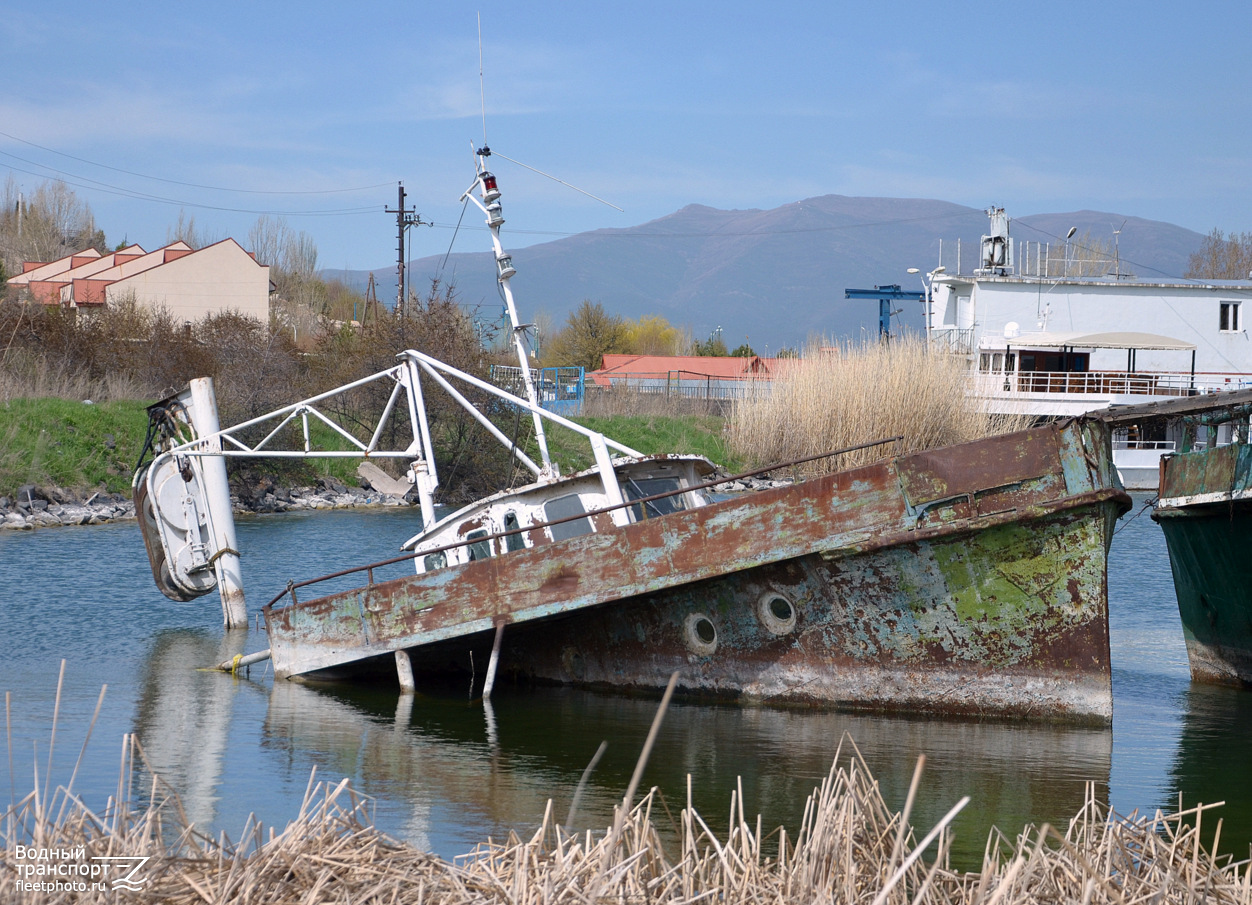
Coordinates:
column 885, row 295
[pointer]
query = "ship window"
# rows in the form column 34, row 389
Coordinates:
column 1230, row 319
column 434, row 561
column 481, row 549
column 1010, row 362
column 984, row 362
column 563, row 507
column 997, row 362
column 637, row 489
column 512, row 541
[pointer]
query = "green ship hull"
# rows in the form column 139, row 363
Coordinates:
column 1205, row 510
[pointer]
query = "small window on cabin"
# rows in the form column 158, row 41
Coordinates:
column 513, row 541
column 984, row 362
column 564, row 507
column 1230, row 319
column 434, row 561
column 1010, row 362
column 481, row 549
column 997, row 362
column 638, row 488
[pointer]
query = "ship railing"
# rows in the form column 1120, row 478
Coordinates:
column 953, row 340
column 368, row 569
column 1162, row 445
column 1112, row 383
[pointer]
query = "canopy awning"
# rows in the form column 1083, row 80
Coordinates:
column 1122, row 339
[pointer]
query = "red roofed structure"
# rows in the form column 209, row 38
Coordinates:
column 695, row 376
column 188, row 283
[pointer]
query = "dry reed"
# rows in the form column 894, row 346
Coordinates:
column 850, row 848
column 830, row 400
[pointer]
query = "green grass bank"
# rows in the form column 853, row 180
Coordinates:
column 81, row 447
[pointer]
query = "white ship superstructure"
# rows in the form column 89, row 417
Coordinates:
column 1060, row 345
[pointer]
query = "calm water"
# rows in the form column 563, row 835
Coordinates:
column 446, row 774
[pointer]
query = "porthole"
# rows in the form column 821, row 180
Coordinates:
column 777, row 612
column 700, row 634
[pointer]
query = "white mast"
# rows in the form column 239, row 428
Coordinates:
column 490, row 205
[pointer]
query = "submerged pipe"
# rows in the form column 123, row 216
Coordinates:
column 234, row 664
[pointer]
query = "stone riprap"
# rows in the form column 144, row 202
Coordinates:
column 34, row 506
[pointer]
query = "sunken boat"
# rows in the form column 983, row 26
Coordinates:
column 969, row 580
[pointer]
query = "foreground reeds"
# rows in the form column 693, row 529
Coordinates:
column 838, row 398
column 850, row 848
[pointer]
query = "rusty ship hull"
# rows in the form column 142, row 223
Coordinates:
column 968, row 580
column 1205, row 510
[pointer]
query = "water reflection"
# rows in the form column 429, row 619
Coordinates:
column 496, row 771
column 1211, row 763
column 184, row 714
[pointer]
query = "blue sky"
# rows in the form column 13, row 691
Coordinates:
column 1140, row 109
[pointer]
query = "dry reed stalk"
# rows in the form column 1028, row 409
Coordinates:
column 851, row 847
column 829, row 401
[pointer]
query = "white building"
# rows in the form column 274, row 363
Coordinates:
column 189, row 284
column 1058, row 346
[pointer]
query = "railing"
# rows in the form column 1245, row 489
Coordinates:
column 688, row 385
column 558, row 389
column 1111, row 383
column 1161, row 445
column 951, row 339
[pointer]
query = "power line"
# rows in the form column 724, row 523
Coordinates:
column 194, row 185
column 108, row 189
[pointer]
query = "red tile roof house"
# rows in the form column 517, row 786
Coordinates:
column 692, row 376
column 189, row 284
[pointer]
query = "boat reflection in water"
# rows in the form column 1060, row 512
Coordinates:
column 1211, row 764
column 452, row 773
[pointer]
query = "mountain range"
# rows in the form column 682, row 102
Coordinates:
column 776, row 277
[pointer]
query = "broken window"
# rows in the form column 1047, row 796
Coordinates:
column 481, row 549
column 638, row 488
column 513, row 541
column 564, row 507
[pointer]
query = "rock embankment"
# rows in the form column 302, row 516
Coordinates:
column 54, row 507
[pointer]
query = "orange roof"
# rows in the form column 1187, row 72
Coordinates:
column 690, row 367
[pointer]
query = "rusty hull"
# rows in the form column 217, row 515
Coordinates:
column 964, row 580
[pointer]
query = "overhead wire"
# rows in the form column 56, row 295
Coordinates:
column 94, row 185
column 194, row 185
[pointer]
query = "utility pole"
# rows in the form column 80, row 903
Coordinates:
column 404, row 219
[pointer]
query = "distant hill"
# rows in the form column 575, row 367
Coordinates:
column 776, row 276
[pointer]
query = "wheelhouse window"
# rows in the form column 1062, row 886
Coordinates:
column 564, row 507
column 512, row 541
column 1231, row 319
column 638, row 488
column 480, row 549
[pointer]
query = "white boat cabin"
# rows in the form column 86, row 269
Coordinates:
column 544, row 512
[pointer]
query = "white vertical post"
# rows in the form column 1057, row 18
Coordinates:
column 404, row 672
column 217, row 500
column 490, row 681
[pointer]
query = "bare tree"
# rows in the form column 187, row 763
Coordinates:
column 186, row 230
column 1222, row 258
column 47, row 223
column 292, row 257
